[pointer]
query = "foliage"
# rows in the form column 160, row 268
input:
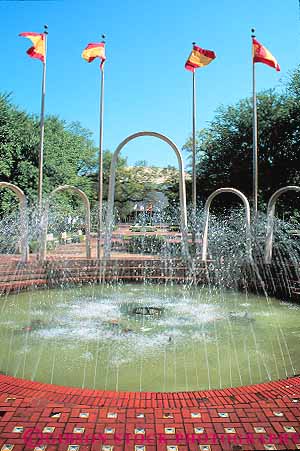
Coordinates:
column 68, row 153
column 153, row 245
column 69, row 158
column 145, row 244
column 142, row 229
column 128, row 188
column 224, row 149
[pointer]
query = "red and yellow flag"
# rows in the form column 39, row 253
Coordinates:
column 199, row 58
column 38, row 49
column 94, row 50
column 262, row 55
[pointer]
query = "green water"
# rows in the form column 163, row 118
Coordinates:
column 93, row 337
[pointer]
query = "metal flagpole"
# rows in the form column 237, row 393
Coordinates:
column 194, row 190
column 100, row 182
column 255, row 147
column 42, row 127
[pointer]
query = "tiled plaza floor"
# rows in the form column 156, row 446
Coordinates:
column 42, row 416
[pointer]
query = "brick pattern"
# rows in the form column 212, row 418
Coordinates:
column 38, row 417
column 153, row 270
column 262, row 416
column 16, row 276
column 279, row 281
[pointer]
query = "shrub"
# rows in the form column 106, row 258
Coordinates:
column 145, row 244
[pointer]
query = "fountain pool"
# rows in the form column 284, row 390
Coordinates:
column 107, row 337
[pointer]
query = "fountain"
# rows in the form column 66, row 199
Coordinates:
column 116, row 337
column 218, row 317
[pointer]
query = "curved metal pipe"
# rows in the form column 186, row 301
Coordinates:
column 206, row 215
column 23, row 218
column 86, row 202
column 111, row 189
column 270, row 220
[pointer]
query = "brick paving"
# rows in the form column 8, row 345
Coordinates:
column 38, row 417
column 34, row 415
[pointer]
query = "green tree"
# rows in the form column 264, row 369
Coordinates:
column 70, row 157
column 128, row 189
column 69, row 154
column 224, row 149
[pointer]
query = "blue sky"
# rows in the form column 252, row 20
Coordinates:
column 148, row 42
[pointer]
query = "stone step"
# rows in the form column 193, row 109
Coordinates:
column 21, row 285
column 21, row 270
column 19, row 277
column 123, row 263
column 83, row 279
column 149, row 274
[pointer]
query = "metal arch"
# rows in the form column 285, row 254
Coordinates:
column 111, row 189
column 20, row 194
column 270, row 220
column 206, row 215
column 23, row 218
column 86, row 202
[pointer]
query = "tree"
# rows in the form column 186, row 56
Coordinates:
column 68, row 153
column 70, row 157
column 224, row 149
column 128, row 188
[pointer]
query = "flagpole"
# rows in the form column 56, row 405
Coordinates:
column 255, row 146
column 100, row 182
column 194, row 190
column 42, row 127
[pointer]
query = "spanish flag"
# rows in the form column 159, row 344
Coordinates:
column 94, row 50
column 199, row 58
column 38, row 49
column 262, row 55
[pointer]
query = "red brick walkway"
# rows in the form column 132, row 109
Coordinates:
column 263, row 416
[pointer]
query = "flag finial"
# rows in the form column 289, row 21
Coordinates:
column 253, row 31
column 194, row 43
column 103, row 37
column 46, row 29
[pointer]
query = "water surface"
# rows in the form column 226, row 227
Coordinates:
column 106, row 337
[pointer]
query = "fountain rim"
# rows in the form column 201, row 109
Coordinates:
column 21, row 398
column 95, row 261
column 65, row 388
